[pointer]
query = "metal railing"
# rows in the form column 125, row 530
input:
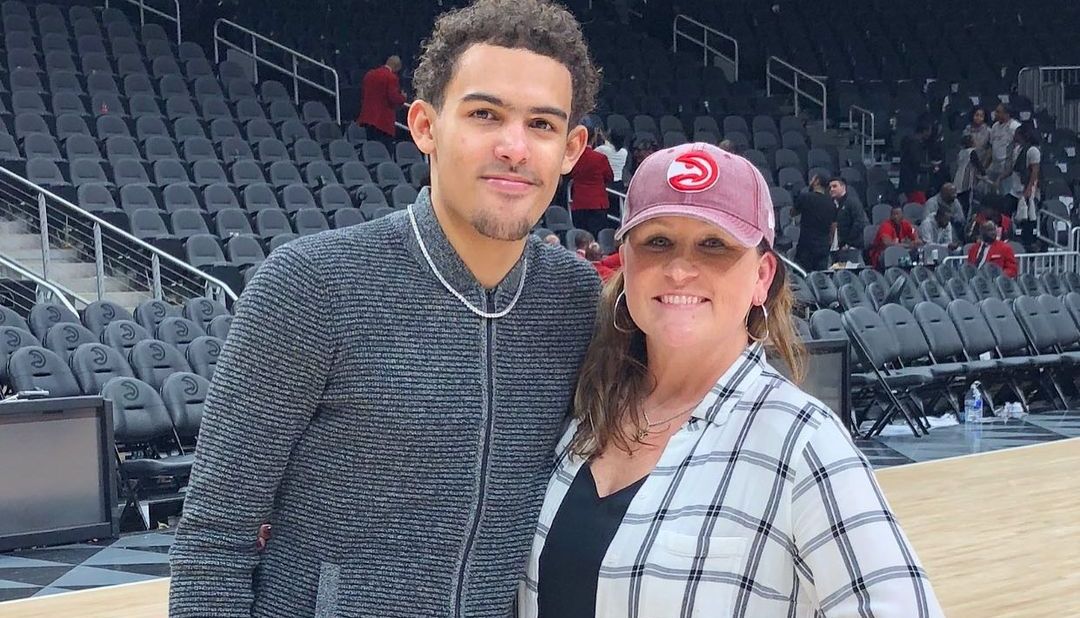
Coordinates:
column 1074, row 239
column 795, row 82
column 864, row 132
column 1053, row 229
column 1038, row 263
column 706, row 45
column 78, row 245
column 145, row 8
column 255, row 42
column 1045, row 86
column 45, row 291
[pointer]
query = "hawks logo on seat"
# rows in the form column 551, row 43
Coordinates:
column 693, row 172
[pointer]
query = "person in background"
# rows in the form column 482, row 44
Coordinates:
column 727, row 145
column 970, row 173
column 1024, row 183
column 817, row 226
column 588, row 193
column 582, row 240
column 1002, row 138
column 642, row 149
column 851, row 219
column 553, row 239
column 1003, row 224
column 380, row 98
column 992, row 249
column 613, row 146
column 914, row 166
column 595, row 255
column 979, row 132
column 939, row 229
column 895, row 231
column 946, row 199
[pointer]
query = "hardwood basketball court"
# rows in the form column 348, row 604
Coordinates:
column 999, row 533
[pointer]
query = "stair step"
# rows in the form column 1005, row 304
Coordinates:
column 87, row 286
column 12, row 227
column 128, row 300
column 25, row 256
column 20, row 241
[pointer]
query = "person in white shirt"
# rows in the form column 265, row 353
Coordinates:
column 694, row 479
column 613, row 147
column 1023, row 184
column 1001, row 143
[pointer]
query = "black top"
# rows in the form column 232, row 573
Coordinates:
column 817, row 214
column 576, row 544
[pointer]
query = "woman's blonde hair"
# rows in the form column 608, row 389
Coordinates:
column 615, row 378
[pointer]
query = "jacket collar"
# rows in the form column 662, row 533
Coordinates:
column 446, row 259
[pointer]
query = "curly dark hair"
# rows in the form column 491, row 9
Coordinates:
column 539, row 26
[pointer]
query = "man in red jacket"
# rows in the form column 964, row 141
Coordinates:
column 895, row 231
column 991, row 249
column 588, row 194
column 380, row 98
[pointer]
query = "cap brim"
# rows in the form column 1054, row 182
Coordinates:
column 743, row 233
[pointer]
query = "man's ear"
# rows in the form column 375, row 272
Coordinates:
column 421, row 119
column 575, row 145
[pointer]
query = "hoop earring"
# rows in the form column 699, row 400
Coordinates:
column 764, row 318
column 615, row 315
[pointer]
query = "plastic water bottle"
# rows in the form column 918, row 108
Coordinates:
column 973, row 405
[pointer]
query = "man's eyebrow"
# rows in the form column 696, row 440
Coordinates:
column 496, row 101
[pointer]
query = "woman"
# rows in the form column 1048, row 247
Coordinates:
column 694, row 479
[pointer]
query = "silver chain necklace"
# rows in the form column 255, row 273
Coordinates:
column 650, row 425
column 446, row 284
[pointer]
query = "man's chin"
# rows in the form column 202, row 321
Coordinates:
column 506, row 231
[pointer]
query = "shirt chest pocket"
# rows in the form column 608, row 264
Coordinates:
column 688, row 575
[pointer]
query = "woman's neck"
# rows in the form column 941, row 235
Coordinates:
column 684, row 375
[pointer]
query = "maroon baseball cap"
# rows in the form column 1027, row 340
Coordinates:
column 705, row 182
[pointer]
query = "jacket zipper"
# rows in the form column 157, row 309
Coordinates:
column 488, row 422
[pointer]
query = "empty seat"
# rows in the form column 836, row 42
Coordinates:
column 144, row 106
column 257, row 130
column 87, row 172
column 170, row 172
column 310, row 221
column 184, row 395
column 297, row 197
column 307, row 150
column 403, row 195
column 341, row 152
column 219, row 326
column 374, row 153
column 179, row 105
column 272, row 150
column 109, row 126
column 271, row 222
column 260, row 196
column 99, row 314
column 283, row 173
column 354, row 174
column 235, row 149
column 188, row 222
column 31, row 123
column 68, row 103
column 230, row 221
column 281, row 239
column 41, row 147
column 345, row 217
column 28, row 103
column 150, row 313
column 185, row 128
column 292, row 130
column 249, row 109
column 222, row 129
column 388, row 174
column 148, row 225
column 333, row 198
column 64, row 337
column 282, row 110
column 38, row 368
column 94, row 364
column 319, row 173
column 208, row 172
column 137, row 197
column 244, row 251
column 153, row 361
column 160, row 148
column 247, row 172
column 179, row 332
column 45, row 172
column 271, row 90
column 203, row 251
column 96, row 198
column 179, row 197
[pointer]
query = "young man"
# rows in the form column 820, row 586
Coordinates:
column 390, row 393
column 851, row 219
column 895, row 231
column 380, row 98
column 817, row 225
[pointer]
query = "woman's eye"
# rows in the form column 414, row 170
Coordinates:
column 713, row 243
column 658, row 241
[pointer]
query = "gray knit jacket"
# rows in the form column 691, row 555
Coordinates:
column 399, row 444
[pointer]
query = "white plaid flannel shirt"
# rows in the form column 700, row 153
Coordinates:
column 760, row 506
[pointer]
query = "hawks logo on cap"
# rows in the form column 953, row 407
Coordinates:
column 693, row 172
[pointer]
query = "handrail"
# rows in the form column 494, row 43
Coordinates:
column 704, row 42
column 252, row 51
column 1058, row 224
column 1037, row 263
column 863, row 138
column 105, row 225
column 59, row 292
column 144, row 9
column 1045, row 86
column 1074, row 239
column 793, row 84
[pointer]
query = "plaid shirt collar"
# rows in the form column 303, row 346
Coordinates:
column 718, row 404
